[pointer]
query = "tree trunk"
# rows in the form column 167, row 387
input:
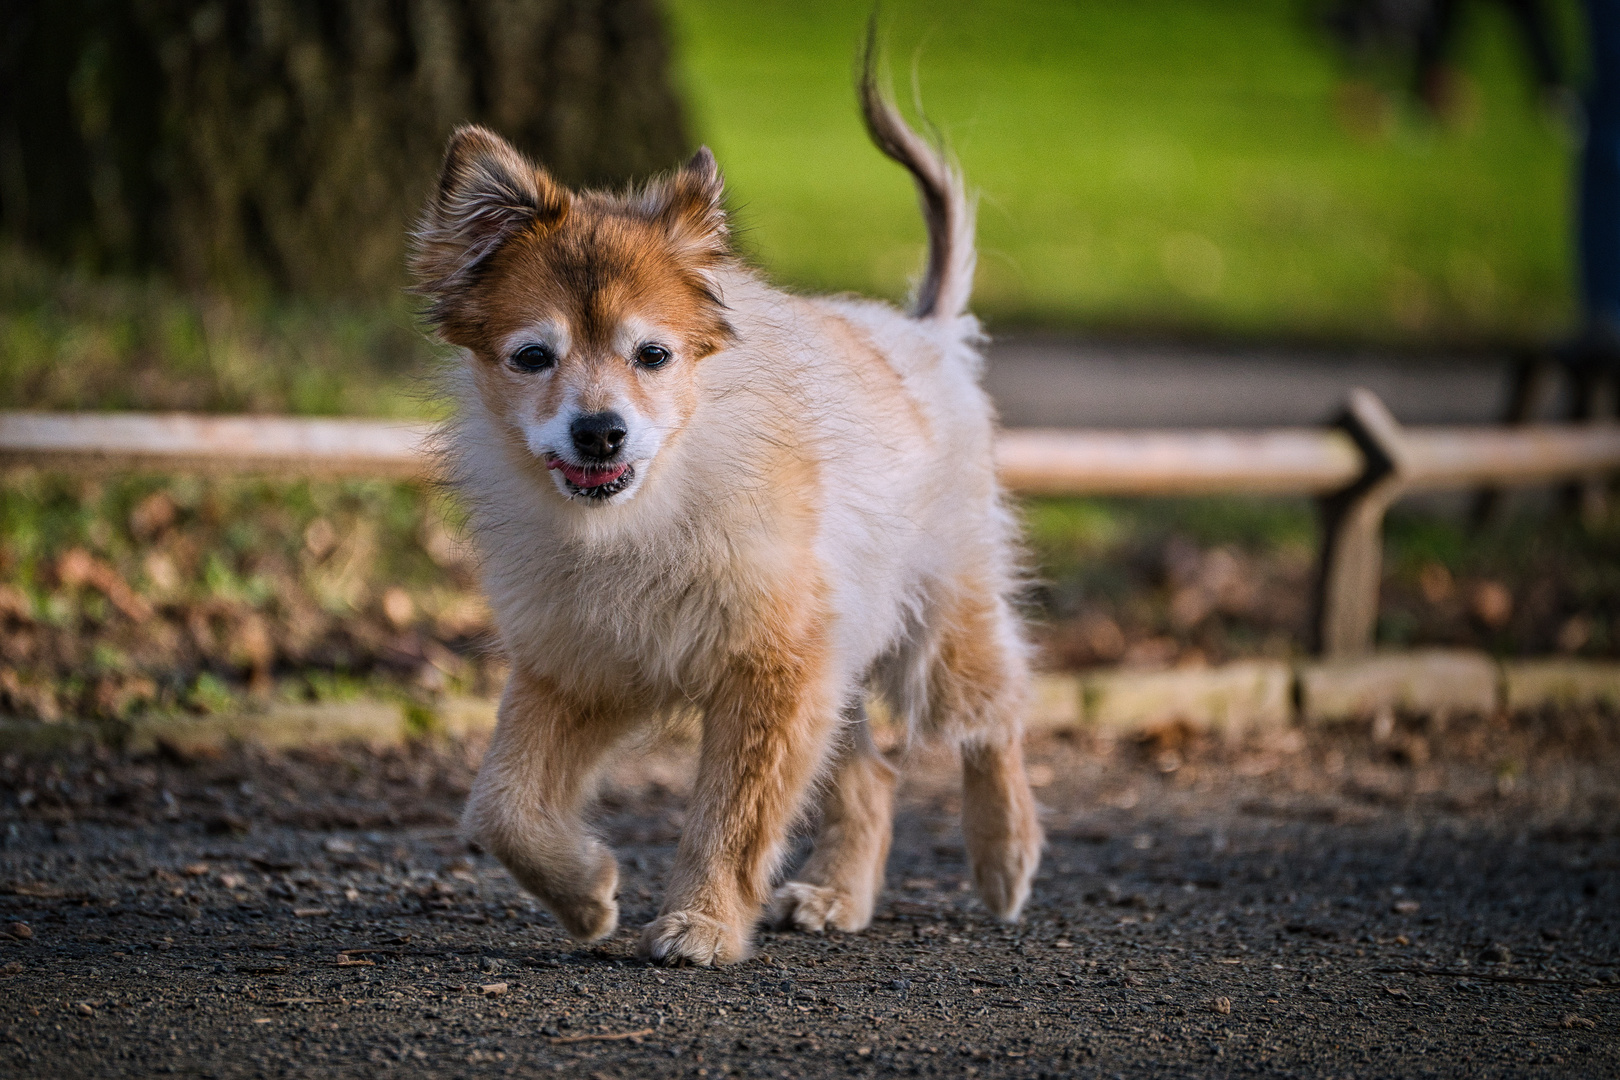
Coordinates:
column 293, row 141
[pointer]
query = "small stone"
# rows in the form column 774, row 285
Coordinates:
column 196, row 869
column 1222, row 1005
column 1496, row 954
column 1405, row 907
column 232, row 881
column 13, row 968
column 84, row 1009
column 21, row 931
column 493, row 989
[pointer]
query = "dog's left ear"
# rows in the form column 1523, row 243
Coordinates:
column 689, row 205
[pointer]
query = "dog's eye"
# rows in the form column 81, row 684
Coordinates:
column 532, row 358
column 652, row 356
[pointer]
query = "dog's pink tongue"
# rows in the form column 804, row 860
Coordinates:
column 588, row 478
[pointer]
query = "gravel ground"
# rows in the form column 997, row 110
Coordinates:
column 1338, row 902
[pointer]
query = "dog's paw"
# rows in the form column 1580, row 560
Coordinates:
column 798, row 905
column 1003, row 878
column 589, row 913
column 587, row 918
column 686, row 937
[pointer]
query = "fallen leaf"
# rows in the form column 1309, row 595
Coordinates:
column 78, row 567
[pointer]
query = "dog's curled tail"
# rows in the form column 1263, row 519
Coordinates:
column 946, row 205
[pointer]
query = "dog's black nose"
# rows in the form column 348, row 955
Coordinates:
column 598, row 435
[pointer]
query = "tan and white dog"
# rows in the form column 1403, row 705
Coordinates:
column 691, row 489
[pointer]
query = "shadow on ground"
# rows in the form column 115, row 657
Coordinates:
column 1338, row 902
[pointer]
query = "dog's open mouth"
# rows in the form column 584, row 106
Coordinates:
column 599, row 483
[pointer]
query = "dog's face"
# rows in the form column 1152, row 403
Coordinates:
column 584, row 314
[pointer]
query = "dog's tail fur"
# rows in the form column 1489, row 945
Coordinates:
column 946, row 205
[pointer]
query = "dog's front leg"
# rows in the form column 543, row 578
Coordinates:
column 764, row 736
column 526, row 804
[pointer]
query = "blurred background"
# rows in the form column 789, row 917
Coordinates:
column 1194, row 212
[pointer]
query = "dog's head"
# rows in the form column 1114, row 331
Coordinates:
column 584, row 314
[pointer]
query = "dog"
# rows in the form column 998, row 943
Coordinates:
column 692, row 490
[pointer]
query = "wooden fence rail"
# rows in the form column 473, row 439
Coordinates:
column 1357, row 468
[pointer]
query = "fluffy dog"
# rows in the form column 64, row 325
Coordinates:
column 690, row 489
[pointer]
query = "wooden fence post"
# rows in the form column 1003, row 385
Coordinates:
column 1351, row 562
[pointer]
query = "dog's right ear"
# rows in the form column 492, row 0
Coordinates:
column 487, row 194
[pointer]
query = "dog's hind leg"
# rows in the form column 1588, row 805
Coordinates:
column 839, row 885
column 977, row 692
column 999, row 824
column 526, row 804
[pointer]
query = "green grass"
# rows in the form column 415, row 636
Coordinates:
column 73, row 341
column 1173, row 165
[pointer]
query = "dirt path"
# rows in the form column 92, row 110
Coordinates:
column 1308, row 906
